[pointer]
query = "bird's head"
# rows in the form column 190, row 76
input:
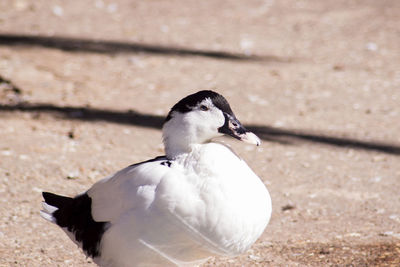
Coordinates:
column 198, row 118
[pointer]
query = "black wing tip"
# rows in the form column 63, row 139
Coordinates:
column 75, row 214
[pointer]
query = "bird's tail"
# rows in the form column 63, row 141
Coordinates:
column 74, row 215
column 53, row 203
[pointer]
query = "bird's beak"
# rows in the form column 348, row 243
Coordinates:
column 234, row 128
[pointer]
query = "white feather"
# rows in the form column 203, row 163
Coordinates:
column 48, row 208
column 47, row 212
column 47, row 216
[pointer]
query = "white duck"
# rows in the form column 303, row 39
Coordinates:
column 197, row 201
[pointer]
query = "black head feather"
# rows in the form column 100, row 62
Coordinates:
column 186, row 104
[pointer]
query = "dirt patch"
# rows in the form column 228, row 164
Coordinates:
column 345, row 254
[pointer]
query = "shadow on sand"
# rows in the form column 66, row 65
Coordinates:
column 116, row 47
column 130, row 117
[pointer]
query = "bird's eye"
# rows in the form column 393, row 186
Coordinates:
column 203, row 108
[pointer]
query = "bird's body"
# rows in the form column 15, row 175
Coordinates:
column 197, row 201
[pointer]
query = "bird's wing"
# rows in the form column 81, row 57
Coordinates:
column 141, row 203
column 157, row 205
column 129, row 189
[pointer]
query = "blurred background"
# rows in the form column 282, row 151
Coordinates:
column 85, row 86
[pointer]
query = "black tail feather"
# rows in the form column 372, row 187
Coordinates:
column 56, row 200
column 75, row 214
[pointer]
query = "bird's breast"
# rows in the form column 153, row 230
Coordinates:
column 220, row 199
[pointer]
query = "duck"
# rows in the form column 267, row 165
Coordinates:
column 198, row 201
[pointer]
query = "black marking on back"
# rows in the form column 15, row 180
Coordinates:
column 76, row 215
column 186, row 104
column 166, row 163
column 158, row 158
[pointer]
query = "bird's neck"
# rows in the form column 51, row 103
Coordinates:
column 174, row 151
column 178, row 139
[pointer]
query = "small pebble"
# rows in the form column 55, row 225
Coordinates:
column 112, row 8
column 246, row 45
column 6, row 153
column 23, row 157
column 254, row 257
column 371, row 46
column 73, row 175
column 37, row 189
column 354, row 234
column 288, row 207
column 376, row 179
column 58, row 11
column 71, row 134
column 378, row 158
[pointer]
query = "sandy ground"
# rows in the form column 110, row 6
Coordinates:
column 85, row 85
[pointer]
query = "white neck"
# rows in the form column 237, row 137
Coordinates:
column 177, row 139
column 180, row 134
column 174, row 149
